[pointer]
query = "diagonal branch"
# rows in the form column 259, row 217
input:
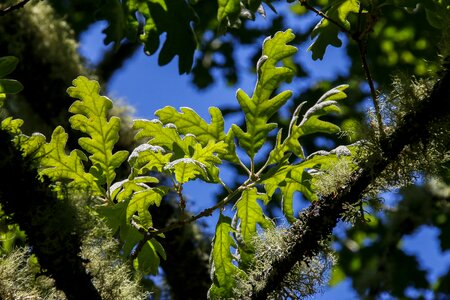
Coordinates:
column 324, row 16
column 11, row 8
column 317, row 222
column 360, row 38
column 49, row 223
column 153, row 232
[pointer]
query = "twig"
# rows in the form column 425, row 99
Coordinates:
column 11, row 8
column 324, row 16
column 153, row 232
column 179, row 191
column 373, row 93
column 319, row 219
column 361, row 41
column 362, row 46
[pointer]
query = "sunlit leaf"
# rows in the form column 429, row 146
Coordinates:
column 57, row 165
column 156, row 134
column 228, row 9
column 189, row 122
column 209, row 156
column 148, row 158
column 91, row 117
column 327, row 32
column 140, row 202
column 224, row 271
column 262, row 105
column 250, row 214
column 309, row 124
column 186, row 169
column 290, row 179
column 149, row 257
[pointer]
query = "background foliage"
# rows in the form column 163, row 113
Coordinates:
column 101, row 192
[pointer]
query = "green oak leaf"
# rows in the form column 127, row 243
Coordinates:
column 140, row 202
column 134, row 197
column 261, row 106
column 166, row 136
column 297, row 178
column 91, row 117
column 186, row 169
column 309, row 124
column 228, row 10
column 31, row 145
column 147, row 20
column 189, row 122
column 57, row 165
column 289, row 180
column 115, row 217
column 146, row 158
column 12, row 125
column 249, row 213
column 8, row 86
column 224, row 271
column 148, row 258
column 209, row 157
column 327, row 32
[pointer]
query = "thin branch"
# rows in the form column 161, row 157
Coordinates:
column 324, row 16
column 179, row 191
column 360, row 38
column 317, row 221
column 362, row 46
column 50, row 224
column 362, row 53
column 14, row 7
column 153, row 232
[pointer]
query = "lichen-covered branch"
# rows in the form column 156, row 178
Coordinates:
column 50, row 223
column 11, row 8
column 317, row 222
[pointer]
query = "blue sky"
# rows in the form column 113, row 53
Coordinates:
column 147, row 87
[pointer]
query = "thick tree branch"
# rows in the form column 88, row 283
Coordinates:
column 50, row 224
column 46, row 105
column 11, row 8
column 317, row 222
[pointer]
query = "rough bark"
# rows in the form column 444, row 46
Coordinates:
column 48, row 63
column 317, row 221
column 50, row 224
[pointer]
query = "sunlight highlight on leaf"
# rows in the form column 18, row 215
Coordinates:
column 327, row 32
column 309, row 124
column 250, row 214
column 223, row 270
column 91, row 117
column 57, row 165
column 261, row 106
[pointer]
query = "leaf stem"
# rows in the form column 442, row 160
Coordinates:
column 153, row 232
column 225, row 186
column 324, row 16
column 245, row 168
